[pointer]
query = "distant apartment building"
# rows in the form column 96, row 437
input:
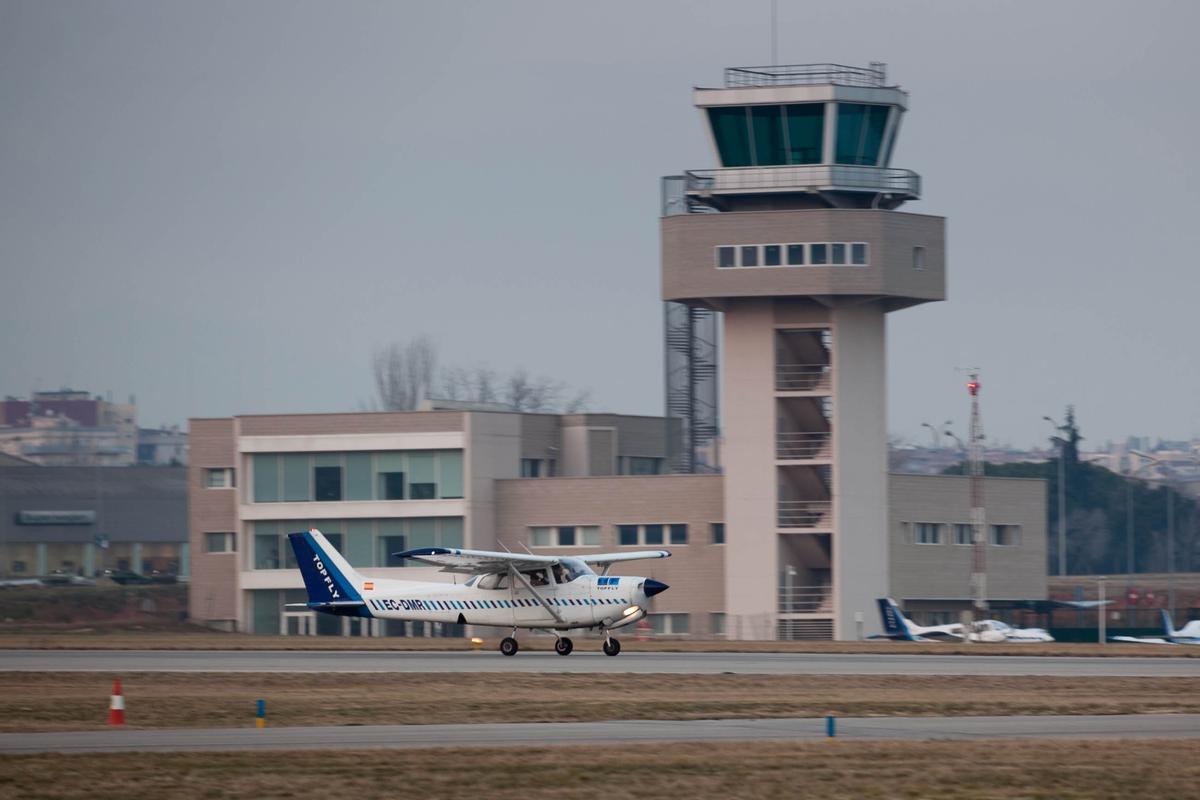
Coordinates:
column 69, row 428
column 166, row 446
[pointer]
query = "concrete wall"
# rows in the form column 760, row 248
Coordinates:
column 213, row 591
column 921, row 571
column 689, row 269
column 751, row 567
column 860, row 500
column 694, row 572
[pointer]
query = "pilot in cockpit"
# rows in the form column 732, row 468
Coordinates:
column 559, row 575
column 538, row 577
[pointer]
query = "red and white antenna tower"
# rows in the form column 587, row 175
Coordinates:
column 978, row 516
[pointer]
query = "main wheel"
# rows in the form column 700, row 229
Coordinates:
column 611, row 647
column 509, row 646
column 564, row 646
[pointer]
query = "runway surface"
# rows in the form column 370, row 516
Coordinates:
column 586, row 662
column 612, row 733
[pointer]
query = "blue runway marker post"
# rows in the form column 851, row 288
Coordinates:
column 260, row 716
column 830, row 726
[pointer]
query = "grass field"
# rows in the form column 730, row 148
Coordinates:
column 833, row 770
column 79, row 701
column 205, row 639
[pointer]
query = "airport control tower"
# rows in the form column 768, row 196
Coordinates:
column 796, row 241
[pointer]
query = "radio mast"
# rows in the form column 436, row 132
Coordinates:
column 978, row 517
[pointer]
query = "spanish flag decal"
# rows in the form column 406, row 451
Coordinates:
column 369, row 586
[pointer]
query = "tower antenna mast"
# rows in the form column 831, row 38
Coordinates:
column 978, row 517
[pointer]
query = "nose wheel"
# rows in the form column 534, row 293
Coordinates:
column 611, row 646
column 509, row 646
column 563, row 646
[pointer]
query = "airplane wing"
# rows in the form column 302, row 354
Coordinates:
column 1139, row 639
column 475, row 562
column 604, row 560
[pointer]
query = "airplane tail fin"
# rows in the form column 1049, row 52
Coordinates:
column 894, row 623
column 1168, row 627
column 328, row 577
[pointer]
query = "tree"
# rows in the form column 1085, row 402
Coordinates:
column 406, row 374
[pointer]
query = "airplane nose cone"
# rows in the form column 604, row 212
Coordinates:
column 653, row 587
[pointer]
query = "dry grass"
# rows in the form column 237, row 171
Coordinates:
column 205, row 639
column 837, row 770
column 78, row 701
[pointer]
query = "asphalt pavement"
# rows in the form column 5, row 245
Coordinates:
column 593, row 733
column 586, row 662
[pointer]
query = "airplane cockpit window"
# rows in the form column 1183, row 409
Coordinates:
column 537, row 577
column 573, row 568
column 493, row 581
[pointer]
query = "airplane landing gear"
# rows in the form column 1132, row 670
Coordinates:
column 509, row 646
column 611, row 646
column 563, row 646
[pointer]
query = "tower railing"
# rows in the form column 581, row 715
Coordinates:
column 804, row 513
column 809, row 177
column 802, row 377
column 806, row 74
column 801, row 445
column 805, row 599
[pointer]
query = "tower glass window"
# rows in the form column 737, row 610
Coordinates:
column 805, row 132
column 732, row 134
column 767, row 123
column 860, row 132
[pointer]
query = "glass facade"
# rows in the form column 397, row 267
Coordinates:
column 331, row 477
column 363, row 542
column 771, row 135
column 859, row 133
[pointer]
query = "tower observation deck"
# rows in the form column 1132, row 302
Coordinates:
column 796, row 241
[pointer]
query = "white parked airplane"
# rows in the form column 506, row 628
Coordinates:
column 899, row 627
column 509, row 590
column 1188, row 634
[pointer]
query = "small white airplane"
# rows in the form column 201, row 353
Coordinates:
column 898, row 627
column 508, row 590
column 1188, row 634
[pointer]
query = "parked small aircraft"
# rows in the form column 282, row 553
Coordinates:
column 1188, row 634
column 509, row 590
column 899, row 627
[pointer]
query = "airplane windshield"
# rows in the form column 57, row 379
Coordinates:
column 575, row 568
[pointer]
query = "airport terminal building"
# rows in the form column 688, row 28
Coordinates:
column 379, row 483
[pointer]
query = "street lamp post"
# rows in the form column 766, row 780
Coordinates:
column 1062, row 497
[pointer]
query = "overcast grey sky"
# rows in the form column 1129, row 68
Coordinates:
column 221, row 207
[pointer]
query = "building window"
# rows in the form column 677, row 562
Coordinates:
column 795, row 255
column 962, row 534
column 716, row 623
column 388, row 546
column 818, row 254
column 771, row 255
column 218, row 478
column 837, row 253
column 718, row 532
column 564, row 536
column 938, row 617
column 927, row 533
column 858, row 253
column 423, row 491
column 918, row 258
column 645, row 465
column 750, row 256
column 219, row 542
column 327, row 483
column 651, row 534
column 1006, row 535
column 670, row 624
column 391, row 485
column 726, row 257
column 531, row 468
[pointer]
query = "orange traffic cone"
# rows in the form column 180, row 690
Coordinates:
column 116, row 707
